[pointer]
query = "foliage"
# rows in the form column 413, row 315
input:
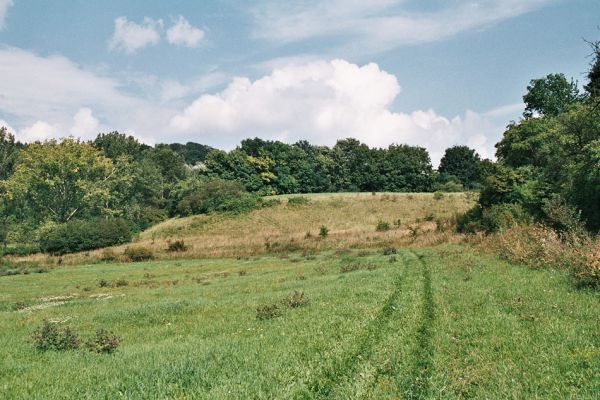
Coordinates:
column 176, row 246
column 8, row 268
column 9, row 151
column 213, row 195
column 323, row 231
column 463, row 164
column 296, row 299
column 298, row 201
column 104, row 342
column 550, row 96
column 50, row 337
column 268, row 311
column 382, row 226
column 80, row 235
column 138, row 254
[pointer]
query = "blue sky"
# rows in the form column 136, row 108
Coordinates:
column 430, row 73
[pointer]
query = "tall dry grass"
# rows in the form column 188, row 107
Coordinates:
column 416, row 219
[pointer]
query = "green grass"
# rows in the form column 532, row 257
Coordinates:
column 442, row 322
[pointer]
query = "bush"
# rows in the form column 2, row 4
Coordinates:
column 494, row 218
column 382, row 226
column 49, row 337
column 296, row 299
column 389, row 251
column 8, row 268
column 323, row 231
column 81, row 235
column 121, row 282
column 298, row 201
column 20, row 250
column 137, row 254
column 108, row 255
column 104, row 341
column 176, row 246
column 265, row 203
column 587, row 272
column 217, row 195
column 438, row 195
column 103, row 283
column 350, row 267
column 268, row 312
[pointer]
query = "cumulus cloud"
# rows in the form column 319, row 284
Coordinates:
column 182, row 33
column 40, row 130
column 85, row 125
column 381, row 24
column 324, row 101
column 129, row 36
column 4, row 6
column 53, row 89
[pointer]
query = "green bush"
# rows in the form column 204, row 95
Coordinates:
column 20, row 250
column 323, row 231
column 495, row 218
column 438, row 195
column 298, row 201
column 382, row 226
column 177, row 246
column 138, row 254
column 8, row 268
column 49, row 337
column 81, row 235
column 217, row 195
column 104, row 341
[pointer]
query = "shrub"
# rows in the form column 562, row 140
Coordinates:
column 398, row 223
column 108, row 255
column 50, row 337
column 438, row 195
column 20, row 250
column 103, row 283
column 81, row 235
column 504, row 216
column 137, row 254
column 587, row 272
column 382, row 226
column 320, row 270
column 296, row 299
column 176, row 246
column 350, row 267
column 104, row 341
column 298, row 201
column 389, row 251
column 121, row 282
column 267, row 312
column 323, row 231
column 8, row 268
column 265, row 203
column 217, row 195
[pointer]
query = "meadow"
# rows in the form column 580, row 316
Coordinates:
column 394, row 317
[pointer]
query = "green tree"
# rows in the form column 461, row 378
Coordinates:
column 463, row 163
column 593, row 85
column 550, row 95
column 9, row 150
column 60, row 180
column 115, row 144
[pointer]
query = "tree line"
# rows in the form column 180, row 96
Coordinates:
column 44, row 185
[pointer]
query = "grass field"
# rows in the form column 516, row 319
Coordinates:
column 439, row 322
column 351, row 218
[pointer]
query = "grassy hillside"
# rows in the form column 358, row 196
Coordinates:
column 443, row 322
column 351, row 218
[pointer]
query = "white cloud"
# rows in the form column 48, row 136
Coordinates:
column 128, row 36
column 325, row 101
column 184, row 34
column 4, row 124
column 85, row 125
column 4, row 6
column 381, row 24
column 40, row 130
column 54, row 89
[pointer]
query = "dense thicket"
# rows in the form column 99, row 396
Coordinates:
column 548, row 162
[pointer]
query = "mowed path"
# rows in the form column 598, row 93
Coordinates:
column 442, row 322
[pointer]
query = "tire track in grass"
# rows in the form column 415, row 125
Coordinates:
column 417, row 384
column 323, row 386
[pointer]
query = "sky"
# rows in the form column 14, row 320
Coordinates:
column 431, row 73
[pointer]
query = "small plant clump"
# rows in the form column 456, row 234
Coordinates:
column 321, row 270
column 138, row 254
column 382, row 226
column 177, row 246
column 350, row 267
column 121, row 282
column 267, row 312
column 50, row 337
column 242, row 272
column 323, row 231
column 296, row 299
column 102, row 283
column 389, row 251
column 108, row 255
column 298, row 201
column 104, row 342
column 438, row 195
